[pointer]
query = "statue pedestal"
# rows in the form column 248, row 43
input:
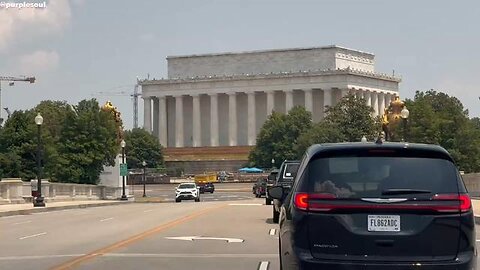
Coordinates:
column 110, row 177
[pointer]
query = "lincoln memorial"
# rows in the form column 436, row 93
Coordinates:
column 211, row 107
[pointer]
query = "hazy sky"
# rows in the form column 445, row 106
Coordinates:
column 79, row 47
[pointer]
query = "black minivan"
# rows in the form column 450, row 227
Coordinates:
column 377, row 206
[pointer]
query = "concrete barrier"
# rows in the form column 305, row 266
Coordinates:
column 472, row 182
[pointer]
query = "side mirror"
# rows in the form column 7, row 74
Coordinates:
column 276, row 192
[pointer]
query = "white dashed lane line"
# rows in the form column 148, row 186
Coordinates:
column 106, row 219
column 263, row 265
column 31, row 236
column 272, row 232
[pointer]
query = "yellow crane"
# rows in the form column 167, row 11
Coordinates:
column 12, row 81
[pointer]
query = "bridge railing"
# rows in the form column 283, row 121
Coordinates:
column 14, row 190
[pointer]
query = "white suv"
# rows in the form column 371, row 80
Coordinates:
column 187, row 191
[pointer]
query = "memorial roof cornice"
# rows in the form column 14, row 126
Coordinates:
column 272, row 75
column 270, row 50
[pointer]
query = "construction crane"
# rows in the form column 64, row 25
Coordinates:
column 134, row 95
column 12, row 81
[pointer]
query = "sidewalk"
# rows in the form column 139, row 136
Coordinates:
column 27, row 208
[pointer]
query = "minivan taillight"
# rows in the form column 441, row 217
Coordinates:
column 447, row 203
column 465, row 204
column 301, row 201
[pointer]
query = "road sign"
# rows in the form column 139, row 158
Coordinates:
column 123, row 169
column 191, row 238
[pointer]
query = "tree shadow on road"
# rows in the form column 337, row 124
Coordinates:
column 269, row 221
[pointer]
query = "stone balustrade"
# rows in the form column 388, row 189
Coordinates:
column 14, row 190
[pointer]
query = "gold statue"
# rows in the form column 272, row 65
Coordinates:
column 108, row 107
column 391, row 116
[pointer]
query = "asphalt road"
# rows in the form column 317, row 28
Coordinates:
column 223, row 192
column 235, row 235
column 135, row 236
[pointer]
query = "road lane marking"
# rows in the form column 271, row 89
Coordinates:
column 191, row 238
column 23, row 222
column 31, row 236
column 245, row 204
column 106, row 219
column 272, row 232
column 108, row 249
column 263, row 265
column 478, row 240
column 149, row 210
column 188, row 255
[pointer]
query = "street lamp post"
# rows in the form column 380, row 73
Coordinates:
column 38, row 200
column 144, row 164
column 123, row 144
column 404, row 114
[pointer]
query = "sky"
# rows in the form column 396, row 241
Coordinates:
column 79, row 48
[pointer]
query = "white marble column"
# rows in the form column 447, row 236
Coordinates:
column 162, row 120
column 359, row 93
column 270, row 102
column 147, row 114
column 213, row 119
column 232, row 119
column 179, row 140
column 327, row 98
column 155, row 116
column 368, row 98
column 381, row 103
column 288, row 100
column 388, row 99
column 251, row 124
column 374, row 102
column 197, row 127
column 308, row 100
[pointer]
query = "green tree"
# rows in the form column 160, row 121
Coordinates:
column 353, row 117
column 88, row 142
column 278, row 137
column 18, row 146
column 438, row 118
column 322, row 132
column 142, row 146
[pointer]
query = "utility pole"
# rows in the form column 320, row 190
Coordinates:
column 12, row 80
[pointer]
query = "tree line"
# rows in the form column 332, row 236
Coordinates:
column 77, row 141
column 435, row 118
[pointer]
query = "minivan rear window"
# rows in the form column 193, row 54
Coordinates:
column 379, row 177
column 290, row 170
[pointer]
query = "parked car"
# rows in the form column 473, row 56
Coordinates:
column 206, row 187
column 270, row 182
column 377, row 206
column 285, row 178
column 187, row 191
column 260, row 187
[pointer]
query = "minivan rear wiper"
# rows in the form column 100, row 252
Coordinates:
column 400, row 191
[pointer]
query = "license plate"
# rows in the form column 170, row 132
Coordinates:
column 383, row 223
